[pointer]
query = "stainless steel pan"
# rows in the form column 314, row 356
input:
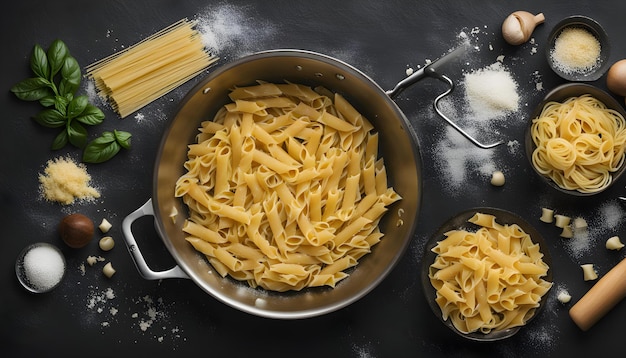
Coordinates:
column 398, row 145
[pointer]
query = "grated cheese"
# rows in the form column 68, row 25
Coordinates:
column 64, row 181
column 576, row 50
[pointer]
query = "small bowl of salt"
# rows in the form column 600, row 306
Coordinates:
column 578, row 49
column 40, row 267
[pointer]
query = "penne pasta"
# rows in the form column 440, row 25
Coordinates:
column 284, row 189
column 488, row 280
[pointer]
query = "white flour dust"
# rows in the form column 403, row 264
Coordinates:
column 457, row 157
column 231, row 29
column 488, row 99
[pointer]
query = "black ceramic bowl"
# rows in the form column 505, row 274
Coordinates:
column 560, row 94
column 459, row 222
column 583, row 22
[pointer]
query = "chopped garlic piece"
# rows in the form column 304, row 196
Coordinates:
column 497, row 178
column 106, row 243
column 564, row 297
column 105, row 226
column 108, row 270
column 614, row 243
column 91, row 260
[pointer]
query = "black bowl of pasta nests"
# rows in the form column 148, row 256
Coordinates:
column 486, row 273
column 576, row 139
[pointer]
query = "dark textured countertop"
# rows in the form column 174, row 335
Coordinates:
column 90, row 315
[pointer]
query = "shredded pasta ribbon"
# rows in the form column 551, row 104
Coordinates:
column 284, row 187
column 488, row 280
column 579, row 143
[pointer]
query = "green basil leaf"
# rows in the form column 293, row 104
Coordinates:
column 70, row 72
column 66, row 87
column 60, row 141
column 101, row 149
column 92, row 115
column 77, row 134
column 105, row 138
column 39, row 62
column 48, row 101
column 76, row 106
column 50, row 118
column 57, row 52
column 123, row 138
column 32, row 89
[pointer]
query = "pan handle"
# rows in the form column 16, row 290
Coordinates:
column 135, row 253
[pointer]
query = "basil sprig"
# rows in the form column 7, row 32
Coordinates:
column 106, row 146
column 57, row 79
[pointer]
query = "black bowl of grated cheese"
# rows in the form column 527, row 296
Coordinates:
column 578, row 49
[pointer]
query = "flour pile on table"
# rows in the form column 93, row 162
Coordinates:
column 491, row 92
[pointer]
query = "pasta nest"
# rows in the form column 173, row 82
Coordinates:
column 579, row 143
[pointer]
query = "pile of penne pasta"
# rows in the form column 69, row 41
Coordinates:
column 488, row 280
column 285, row 187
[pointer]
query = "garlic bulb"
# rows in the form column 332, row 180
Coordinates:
column 519, row 26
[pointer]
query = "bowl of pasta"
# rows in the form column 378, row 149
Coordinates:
column 486, row 273
column 576, row 139
column 287, row 185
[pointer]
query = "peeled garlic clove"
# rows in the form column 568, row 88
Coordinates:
column 519, row 26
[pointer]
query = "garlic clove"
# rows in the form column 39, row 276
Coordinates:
column 519, row 26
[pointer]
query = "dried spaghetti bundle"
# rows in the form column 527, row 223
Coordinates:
column 138, row 75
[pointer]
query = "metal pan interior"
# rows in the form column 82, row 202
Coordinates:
column 398, row 145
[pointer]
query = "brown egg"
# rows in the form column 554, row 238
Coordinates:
column 76, row 230
column 616, row 78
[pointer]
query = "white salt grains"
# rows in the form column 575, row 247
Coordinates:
column 43, row 267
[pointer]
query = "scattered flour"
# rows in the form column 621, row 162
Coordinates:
column 231, row 29
column 149, row 317
column 457, row 156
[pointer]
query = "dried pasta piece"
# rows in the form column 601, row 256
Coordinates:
column 589, row 272
column 547, row 215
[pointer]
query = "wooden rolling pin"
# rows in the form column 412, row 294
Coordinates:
column 601, row 298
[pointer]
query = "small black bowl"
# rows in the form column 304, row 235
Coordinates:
column 459, row 222
column 596, row 30
column 560, row 94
